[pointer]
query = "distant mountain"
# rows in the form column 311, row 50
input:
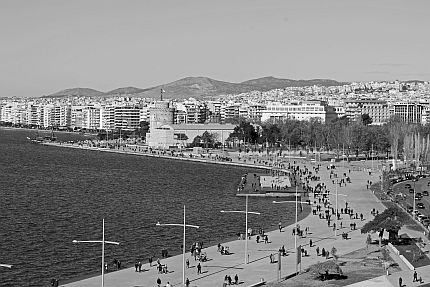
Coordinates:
column 125, row 91
column 206, row 87
column 270, row 83
column 195, row 87
column 84, row 92
column 198, row 87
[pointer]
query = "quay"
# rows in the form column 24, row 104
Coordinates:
column 259, row 269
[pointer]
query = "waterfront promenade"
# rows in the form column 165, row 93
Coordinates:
column 218, row 266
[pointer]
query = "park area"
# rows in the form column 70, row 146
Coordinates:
column 362, row 264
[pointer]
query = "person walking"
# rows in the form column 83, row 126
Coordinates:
column 188, row 263
column 236, row 279
column 187, row 282
column 199, row 269
column 400, row 282
column 159, row 282
column 415, row 276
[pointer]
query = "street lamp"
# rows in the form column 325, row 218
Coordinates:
column 296, row 201
column 336, row 211
column 183, row 246
column 413, row 180
column 103, row 242
column 246, row 224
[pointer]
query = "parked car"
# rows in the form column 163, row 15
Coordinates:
column 425, row 192
column 411, row 190
column 410, row 209
column 408, row 185
column 426, row 222
column 420, row 205
column 422, row 218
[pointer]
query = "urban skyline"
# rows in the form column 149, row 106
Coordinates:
column 53, row 45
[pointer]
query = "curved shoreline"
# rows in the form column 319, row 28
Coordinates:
column 225, row 241
column 129, row 152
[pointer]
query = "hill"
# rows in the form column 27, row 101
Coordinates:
column 198, row 87
column 125, row 91
column 269, row 83
column 206, row 87
column 84, row 92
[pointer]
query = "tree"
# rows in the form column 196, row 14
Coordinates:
column 206, row 140
column 397, row 129
column 366, row 119
column 143, row 129
column 244, row 132
column 391, row 220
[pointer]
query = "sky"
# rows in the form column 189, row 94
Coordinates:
column 51, row 45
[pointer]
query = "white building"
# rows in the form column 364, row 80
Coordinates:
column 302, row 111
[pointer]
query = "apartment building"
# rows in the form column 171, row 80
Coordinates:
column 213, row 111
column 107, row 117
column 378, row 110
column 305, row 110
column 190, row 112
column 409, row 112
column 127, row 117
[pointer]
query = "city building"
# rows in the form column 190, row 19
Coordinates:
column 305, row 110
column 410, row 112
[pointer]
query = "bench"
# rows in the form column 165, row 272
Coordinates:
column 261, row 283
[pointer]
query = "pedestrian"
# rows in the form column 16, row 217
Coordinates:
column 280, row 226
column 140, row 266
column 159, row 282
column 229, row 280
column 188, row 263
column 236, row 279
column 310, row 242
column 400, row 282
column 187, row 282
column 271, row 258
column 415, row 276
column 150, row 261
column 199, row 269
column 136, row 265
column 318, row 251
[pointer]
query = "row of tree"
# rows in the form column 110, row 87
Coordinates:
column 394, row 137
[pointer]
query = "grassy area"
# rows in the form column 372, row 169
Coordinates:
column 413, row 254
column 357, row 266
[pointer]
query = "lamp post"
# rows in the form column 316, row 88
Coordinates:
column 297, row 202
column 103, row 242
column 414, row 198
column 183, row 246
column 246, row 224
column 336, row 211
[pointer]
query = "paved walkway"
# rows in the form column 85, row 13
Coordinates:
column 359, row 198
